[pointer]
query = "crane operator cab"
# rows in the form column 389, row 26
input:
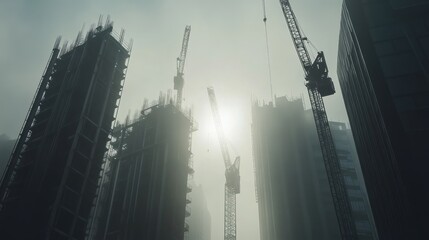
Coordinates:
column 232, row 175
column 318, row 76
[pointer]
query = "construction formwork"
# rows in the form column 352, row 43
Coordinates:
column 48, row 188
column 145, row 183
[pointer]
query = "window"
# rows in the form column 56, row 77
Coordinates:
column 400, row 64
column 355, row 193
column 358, row 206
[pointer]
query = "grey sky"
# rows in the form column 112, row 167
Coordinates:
column 226, row 50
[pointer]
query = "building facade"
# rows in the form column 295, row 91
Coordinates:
column 293, row 193
column 48, row 188
column 145, row 186
column 383, row 61
column 353, row 179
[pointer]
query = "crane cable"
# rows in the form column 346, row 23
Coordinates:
column 268, row 49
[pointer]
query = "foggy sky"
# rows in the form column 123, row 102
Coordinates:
column 226, row 50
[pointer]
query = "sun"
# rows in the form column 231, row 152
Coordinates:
column 230, row 122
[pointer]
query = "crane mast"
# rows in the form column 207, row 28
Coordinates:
column 319, row 84
column 232, row 174
column 179, row 82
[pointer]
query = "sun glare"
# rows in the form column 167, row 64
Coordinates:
column 229, row 118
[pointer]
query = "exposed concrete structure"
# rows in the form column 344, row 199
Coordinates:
column 48, row 189
column 145, row 186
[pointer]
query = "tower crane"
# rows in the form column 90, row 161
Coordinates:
column 232, row 174
column 319, row 85
column 179, row 82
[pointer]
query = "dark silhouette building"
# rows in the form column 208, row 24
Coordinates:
column 383, row 70
column 48, row 189
column 293, row 193
column 145, row 186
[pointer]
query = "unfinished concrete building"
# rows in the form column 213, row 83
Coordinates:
column 48, row 189
column 293, row 193
column 292, row 187
column 145, row 185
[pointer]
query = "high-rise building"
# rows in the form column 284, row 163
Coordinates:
column 145, row 185
column 383, row 61
column 48, row 189
column 200, row 220
column 352, row 174
column 293, row 192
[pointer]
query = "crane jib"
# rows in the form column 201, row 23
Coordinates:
column 232, row 174
column 219, row 128
column 182, row 57
column 296, row 35
column 179, row 82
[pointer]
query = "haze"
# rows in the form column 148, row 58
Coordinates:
column 226, row 50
